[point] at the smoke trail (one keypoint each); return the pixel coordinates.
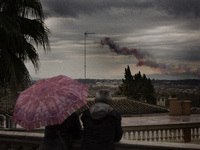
(144, 59)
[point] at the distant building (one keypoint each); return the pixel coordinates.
(161, 100)
(2, 118)
(6, 121)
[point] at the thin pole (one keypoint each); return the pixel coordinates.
(85, 35)
(85, 55)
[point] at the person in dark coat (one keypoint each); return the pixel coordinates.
(101, 123)
(59, 137)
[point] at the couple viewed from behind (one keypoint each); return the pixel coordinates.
(101, 128)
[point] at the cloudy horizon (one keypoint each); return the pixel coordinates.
(165, 32)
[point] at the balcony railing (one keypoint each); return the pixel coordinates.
(151, 137)
(18, 140)
(189, 132)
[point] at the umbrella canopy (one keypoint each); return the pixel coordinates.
(49, 102)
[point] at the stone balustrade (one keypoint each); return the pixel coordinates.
(151, 137)
(189, 132)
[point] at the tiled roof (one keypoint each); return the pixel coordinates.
(124, 106)
(129, 107)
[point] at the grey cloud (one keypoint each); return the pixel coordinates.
(166, 29)
(180, 7)
(73, 8)
(190, 53)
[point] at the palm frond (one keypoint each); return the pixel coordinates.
(22, 8)
(32, 7)
(20, 22)
(29, 53)
(37, 30)
(13, 72)
(9, 29)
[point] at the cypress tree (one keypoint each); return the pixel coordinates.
(137, 87)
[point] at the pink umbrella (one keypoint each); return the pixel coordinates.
(49, 102)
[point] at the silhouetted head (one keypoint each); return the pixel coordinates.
(103, 96)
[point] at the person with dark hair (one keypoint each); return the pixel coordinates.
(59, 137)
(101, 123)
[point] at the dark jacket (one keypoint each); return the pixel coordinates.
(58, 136)
(102, 127)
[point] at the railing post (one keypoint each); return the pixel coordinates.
(187, 135)
(148, 135)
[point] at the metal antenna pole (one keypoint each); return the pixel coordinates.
(85, 35)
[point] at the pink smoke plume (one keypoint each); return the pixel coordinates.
(144, 59)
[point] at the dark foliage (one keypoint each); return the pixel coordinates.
(138, 87)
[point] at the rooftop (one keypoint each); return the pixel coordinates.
(130, 107)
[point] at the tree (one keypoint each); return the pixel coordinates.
(125, 87)
(137, 87)
(21, 23)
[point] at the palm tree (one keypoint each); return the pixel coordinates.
(21, 23)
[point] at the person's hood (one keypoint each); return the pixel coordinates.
(100, 110)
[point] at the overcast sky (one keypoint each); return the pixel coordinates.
(165, 35)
